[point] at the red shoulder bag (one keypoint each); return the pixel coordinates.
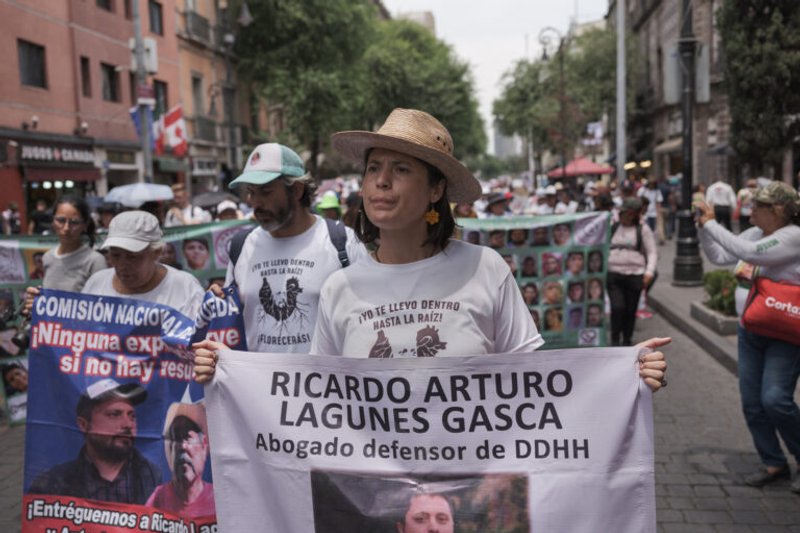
(773, 310)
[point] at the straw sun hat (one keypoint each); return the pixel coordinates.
(419, 135)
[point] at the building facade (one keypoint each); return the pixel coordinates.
(68, 87)
(655, 123)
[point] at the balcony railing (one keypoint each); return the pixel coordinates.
(205, 129)
(197, 27)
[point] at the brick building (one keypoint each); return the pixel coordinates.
(67, 88)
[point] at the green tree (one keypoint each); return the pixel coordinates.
(761, 46)
(536, 101)
(591, 67)
(305, 54)
(406, 66)
(527, 106)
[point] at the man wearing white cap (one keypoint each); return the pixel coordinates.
(281, 265)
(228, 210)
(108, 468)
(134, 246)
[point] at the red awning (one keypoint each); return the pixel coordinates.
(580, 167)
(61, 174)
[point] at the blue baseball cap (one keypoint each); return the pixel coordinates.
(269, 161)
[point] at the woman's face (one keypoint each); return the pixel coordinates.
(552, 293)
(196, 254)
(765, 217)
(575, 263)
(529, 294)
(595, 262)
(595, 290)
(396, 191)
(561, 234)
(17, 378)
(68, 224)
(552, 319)
(168, 255)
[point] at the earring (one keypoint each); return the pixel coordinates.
(432, 216)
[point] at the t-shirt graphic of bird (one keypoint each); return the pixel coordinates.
(279, 310)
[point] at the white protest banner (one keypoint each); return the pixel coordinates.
(545, 442)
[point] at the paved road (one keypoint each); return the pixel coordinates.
(702, 450)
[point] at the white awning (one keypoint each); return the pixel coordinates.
(671, 145)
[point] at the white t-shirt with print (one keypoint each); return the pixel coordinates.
(179, 290)
(462, 301)
(279, 283)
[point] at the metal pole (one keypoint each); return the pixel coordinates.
(688, 269)
(562, 111)
(141, 81)
(229, 91)
(531, 162)
(622, 155)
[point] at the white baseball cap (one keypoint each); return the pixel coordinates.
(225, 205)
(269, 161)
(133, 231)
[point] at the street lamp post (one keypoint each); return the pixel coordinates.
(688, 267)
(545, 37)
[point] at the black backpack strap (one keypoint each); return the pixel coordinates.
(338, 237)
(235, 249)
(639, 245)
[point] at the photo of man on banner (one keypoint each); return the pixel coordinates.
(108, 467)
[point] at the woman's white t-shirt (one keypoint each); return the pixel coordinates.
(462, 301)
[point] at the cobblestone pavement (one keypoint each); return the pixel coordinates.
(702, 450)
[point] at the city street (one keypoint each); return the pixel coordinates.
(702, 450)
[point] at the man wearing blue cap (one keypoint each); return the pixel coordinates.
(282, 263)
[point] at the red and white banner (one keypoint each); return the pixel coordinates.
(170, 132)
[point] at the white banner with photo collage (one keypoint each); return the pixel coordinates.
(560, 263)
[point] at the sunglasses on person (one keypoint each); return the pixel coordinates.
(63, 221)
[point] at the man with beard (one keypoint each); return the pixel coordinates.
(282, 263)
(108, 467)
(186, 448)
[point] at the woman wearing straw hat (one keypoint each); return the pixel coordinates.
(435, 296)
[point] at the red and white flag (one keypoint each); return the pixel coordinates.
(170, 132)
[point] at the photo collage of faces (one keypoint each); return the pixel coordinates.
(201, 250)
(561, 272)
